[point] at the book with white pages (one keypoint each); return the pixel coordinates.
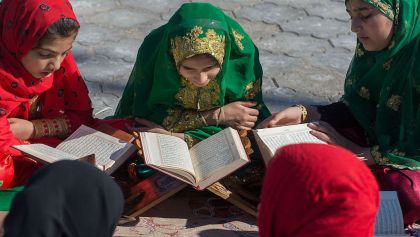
(200, 166)
(109, 151)
(271, 139)
(389, 220)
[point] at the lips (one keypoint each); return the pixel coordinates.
(44, 74)
(362, 37)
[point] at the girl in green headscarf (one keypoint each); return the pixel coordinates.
(194, 76)
(379, 115)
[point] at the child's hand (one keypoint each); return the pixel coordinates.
(288, 116)
(239, 115)
(21, 128)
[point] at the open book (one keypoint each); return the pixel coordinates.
(110, 152)
(202, 165)
(389, 220)
(271, 139)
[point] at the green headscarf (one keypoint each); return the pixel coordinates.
(157, 92)
(382, 89)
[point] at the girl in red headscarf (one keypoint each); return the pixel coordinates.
(43, 97)
(317, 190)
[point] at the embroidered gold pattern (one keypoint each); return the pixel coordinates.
(198, 98)
(191, 141)
(195, 100)
(394, 102)
(179, 120)
(385, 8)
(387, 65)
(238, 39)
(59, 127)
(377, 156)
(364, 93)
(252, 89)
(350, 81)
(359, 51)
(383, 160)
(191, 44)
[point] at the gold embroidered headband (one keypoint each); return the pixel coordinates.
(191, 44)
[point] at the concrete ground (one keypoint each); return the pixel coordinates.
(305, 45)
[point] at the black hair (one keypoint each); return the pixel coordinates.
(63, 28)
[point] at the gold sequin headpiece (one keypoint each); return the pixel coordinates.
(191, 44)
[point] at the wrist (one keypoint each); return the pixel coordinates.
(33, 131)
(304, 113)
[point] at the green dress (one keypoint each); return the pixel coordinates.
(157, 92)
(382, 89)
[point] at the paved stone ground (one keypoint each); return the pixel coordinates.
(305, 45)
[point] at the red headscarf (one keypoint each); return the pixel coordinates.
(317, 190)
(22, 24)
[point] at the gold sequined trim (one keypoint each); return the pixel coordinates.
(252, 89)
(191, 44)
(238, 39)
(364, 93)
(377, 156)
(198, 98)
(394, 102)
(179, 120)
(385, 8)
(382, 160)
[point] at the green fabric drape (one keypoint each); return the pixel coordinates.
(382, 89)
(157, 92)
(6, 197)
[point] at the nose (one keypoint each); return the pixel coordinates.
(203, 77)
(55, 64)
(355, 25)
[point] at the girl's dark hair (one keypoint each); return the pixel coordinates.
(62, 28)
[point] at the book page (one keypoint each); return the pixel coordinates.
(85, 141)
(45, 153)
(216, 153)
(278, 137)
(389, 220)
(166, 151)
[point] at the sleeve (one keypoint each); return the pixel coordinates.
(339, 117)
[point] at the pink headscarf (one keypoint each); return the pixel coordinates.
(317, 190)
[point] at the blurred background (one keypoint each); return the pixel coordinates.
(305, 45)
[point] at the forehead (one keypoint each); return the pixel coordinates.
(199, 59)
(357, 5)
(58, 43)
